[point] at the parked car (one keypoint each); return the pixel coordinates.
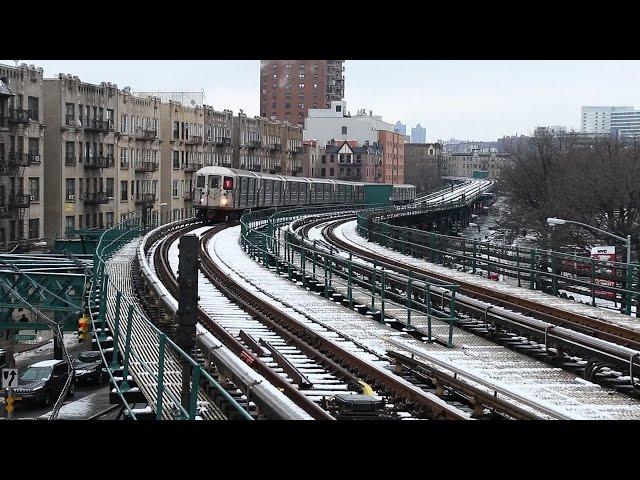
(88, 368)
(43, 382)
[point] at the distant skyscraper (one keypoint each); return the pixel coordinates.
(400, 128)
(418, 134)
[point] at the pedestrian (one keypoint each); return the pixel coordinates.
(24, 318)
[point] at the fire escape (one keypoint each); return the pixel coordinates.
(14, 200)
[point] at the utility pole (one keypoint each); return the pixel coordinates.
(187, 313)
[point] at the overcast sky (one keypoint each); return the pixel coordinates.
(479, 100)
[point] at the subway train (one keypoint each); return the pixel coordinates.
(225, 193)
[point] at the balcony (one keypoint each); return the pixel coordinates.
(146, 198)
(276, 169)
(99, 162)
(191, 166)
(226, 142)
(98, 126)
(18, 159)
(19, 200)
(193, 140)
(254, 168)
(147, 135)
(17, 116)
(297, 149)
(96, 198)
(146, 167)
(253, 144)
(70, 161)
(188, 196)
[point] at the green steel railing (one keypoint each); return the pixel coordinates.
(261, 238)
(538, 269)
(127, 314)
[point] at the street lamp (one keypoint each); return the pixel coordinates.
(551, 221)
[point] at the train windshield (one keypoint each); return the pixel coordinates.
(200, 181)
(214, 181)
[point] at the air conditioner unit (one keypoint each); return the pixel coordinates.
(36, 159)
(72, 123)
(71, 197)
(32, 198)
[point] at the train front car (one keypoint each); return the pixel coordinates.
(214, 193)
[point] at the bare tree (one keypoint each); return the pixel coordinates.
(594, 181)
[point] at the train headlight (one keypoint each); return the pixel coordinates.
(202, 199)
(223, 201)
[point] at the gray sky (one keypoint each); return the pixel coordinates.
(480, 100)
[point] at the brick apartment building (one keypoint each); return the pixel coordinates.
(289, 88)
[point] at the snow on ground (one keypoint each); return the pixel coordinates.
(526, 376)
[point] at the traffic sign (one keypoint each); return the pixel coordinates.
(9, 377)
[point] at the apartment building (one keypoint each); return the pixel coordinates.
(138, 140)
(325, 125)
(21, 153)
(289, 88)
(261, 145)
(218, 128)
(475, 164)
(80, 146)
(183, 153)
(344, 160)
(423, 165)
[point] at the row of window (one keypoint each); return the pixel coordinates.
(16, 230)
(95, 185)
(96, 220)
(33, 105)
(86, 113)
(16, 186)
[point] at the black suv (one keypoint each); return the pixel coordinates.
(43, 382)
(88, 367)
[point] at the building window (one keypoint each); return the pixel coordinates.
(71, 188)
(70, 222)
(287, 105)
(34, 188)
(174, 188)
(124, 124)
(301, 86)
(176, 160)
(124, 190)
(70, 113)
(301, 76)
(338, 108)
(110, 187)
(331, 170)
(273, 105)
(33, 106)
(34, 228)
(344, 130)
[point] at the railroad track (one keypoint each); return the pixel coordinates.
(312, 359)
(612, 345)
